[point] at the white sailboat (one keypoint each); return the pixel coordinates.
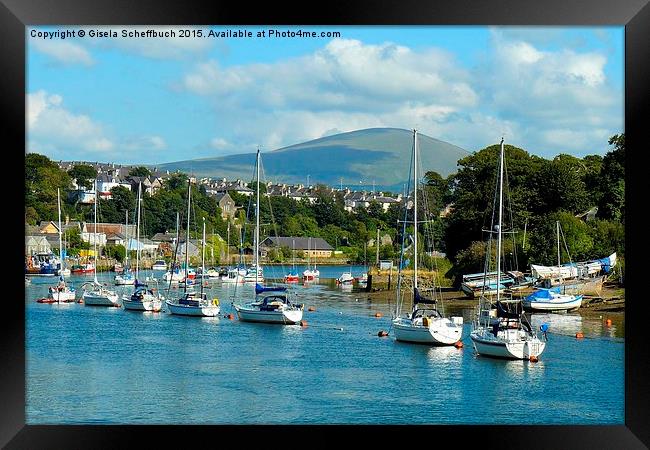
(98, 295)
(193, 303)
(61, 293)
(276, 306)
(501, 329)
(142, 298)
(424, 324)
(552, 299)
(236, 275)
(310, 274)
(126, 277)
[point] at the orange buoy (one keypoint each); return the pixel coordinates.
(459, 344)
(533, 358)
(608, 322)
(231, 316)
(303, 323)
(311, 308)
(579, 335)
(378, 314)
(382, 333)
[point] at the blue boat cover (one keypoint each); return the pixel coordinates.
(259, 288)
(605, 263)
(417, 298)
(139, 284)
(543, 293)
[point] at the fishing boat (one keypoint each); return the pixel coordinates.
(311, 273)
(160, 264)
(61, 293)
(424, 324)
(553, 299)
(95, 293)
(142, 298)
(274, 307)
(501, 329)
(193, 303)
(42, 264)
(83, 268)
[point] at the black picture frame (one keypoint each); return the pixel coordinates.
(633, 14)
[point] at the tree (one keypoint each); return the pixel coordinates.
(612, 177)
(42, 179)
(139, 171)
(84, 174)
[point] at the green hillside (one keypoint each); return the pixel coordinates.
(381, 155)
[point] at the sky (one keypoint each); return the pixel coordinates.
(150, 100)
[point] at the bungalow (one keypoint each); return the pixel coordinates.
(313, 247)
(52, 227)
(146, 247)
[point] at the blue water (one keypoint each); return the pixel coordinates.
(106, 365)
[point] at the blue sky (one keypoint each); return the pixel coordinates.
(549, 90)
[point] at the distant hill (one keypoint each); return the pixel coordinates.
(381, 155)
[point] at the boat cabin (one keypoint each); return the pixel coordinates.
(273, 302)
(193, 299)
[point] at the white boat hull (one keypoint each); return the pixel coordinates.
(557, 305)
(141, 305)
(62, 295)
(512, 348)
(119, 281)
(196, 311)
(441, 331)
(286, 317)
(91, 299)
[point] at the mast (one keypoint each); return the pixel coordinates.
(415, 209)
(257, 217)
(58, 199)
(187, 234)
(203, 258)
(126, 238)
(500, 218)
(95, 235)
(137, 227)
(557, 223)
(228, 246)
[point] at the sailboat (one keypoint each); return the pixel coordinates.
(236, 274)
(275, 307)
(99, 295)
(424, 324)
(292, 277)
(174, 274)
(126, 277)
(192, 303)
(61, 293)
(142, 299)
(64, 271)
(552, 299)
(310, 274)
(501, 329)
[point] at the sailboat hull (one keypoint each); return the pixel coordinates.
(439, 332)
(194, 311)
(91, 299)
(141, 305)
(62, 296)
(285, 317)
(512, 347)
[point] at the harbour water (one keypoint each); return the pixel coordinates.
(101, 365)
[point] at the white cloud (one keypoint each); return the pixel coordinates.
(50, 125)
(63, 51)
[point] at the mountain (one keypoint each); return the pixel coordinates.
(380, 155)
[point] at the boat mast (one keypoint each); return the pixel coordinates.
(500, 218)
(58, 199)
(415, 211)
(126, 238)
(203, 258)
(137, 235)
(228, 246)
(95, 235)
(257, 217)
(187, 234)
